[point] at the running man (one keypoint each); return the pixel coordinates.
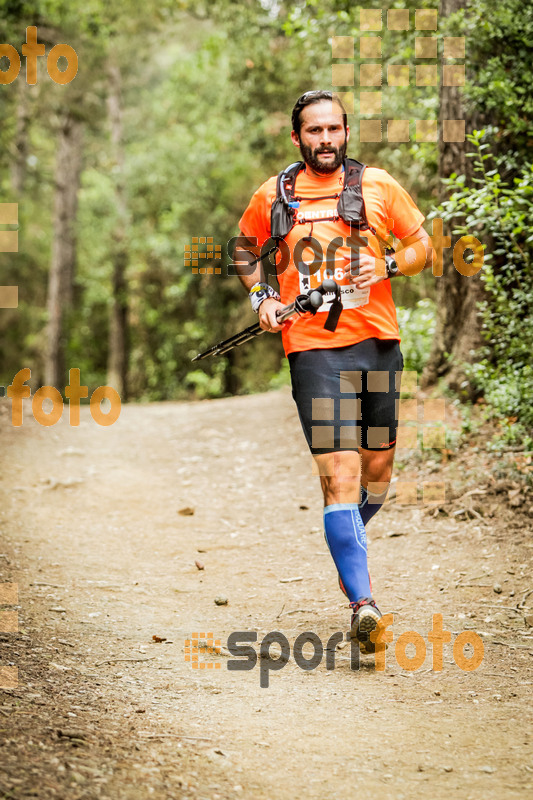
(345, 383)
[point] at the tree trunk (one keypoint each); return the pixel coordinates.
(457, 334)
(60, 285)
(20, 143)
(117, 365)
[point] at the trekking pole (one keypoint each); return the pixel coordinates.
(303, 303)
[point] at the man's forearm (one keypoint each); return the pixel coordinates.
(415, 254)
(248, 275)
(268, 307)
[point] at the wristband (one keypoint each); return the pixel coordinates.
(260, 292)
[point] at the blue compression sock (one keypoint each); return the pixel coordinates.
(370, 503)
(346, 538)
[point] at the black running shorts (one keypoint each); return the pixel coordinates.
(347, 397)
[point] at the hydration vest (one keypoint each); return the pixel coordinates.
(350, 205)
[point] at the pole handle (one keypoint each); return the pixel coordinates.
(303, 303)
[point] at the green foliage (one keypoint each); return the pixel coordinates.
(417, 326)
(205, 121)
(208, 90)
(281, 378)
(499, 52)
(313, 23)
(499, 211)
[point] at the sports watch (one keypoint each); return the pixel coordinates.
(391, 266)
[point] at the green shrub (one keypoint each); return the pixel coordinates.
(417, 326)
(499, 209)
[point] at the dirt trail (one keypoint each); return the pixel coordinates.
(90, 530)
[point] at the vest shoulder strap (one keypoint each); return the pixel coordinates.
(353, 172)
(350, 206)
(282, 215)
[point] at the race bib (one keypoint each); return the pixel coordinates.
(351, 296)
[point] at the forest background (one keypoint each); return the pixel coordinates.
(178, 112)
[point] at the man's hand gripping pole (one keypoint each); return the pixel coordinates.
(302, 304)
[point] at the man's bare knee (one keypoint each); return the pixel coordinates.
(340, 476)
(377, 466)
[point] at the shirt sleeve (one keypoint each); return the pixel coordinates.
(401, 208)
(255, 222)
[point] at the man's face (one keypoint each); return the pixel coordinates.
(322, 140)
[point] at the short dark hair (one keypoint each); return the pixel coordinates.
(315, 96)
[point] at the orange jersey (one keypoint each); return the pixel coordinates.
(368, 313)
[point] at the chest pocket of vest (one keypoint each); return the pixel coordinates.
(351, 207)
(281, 219)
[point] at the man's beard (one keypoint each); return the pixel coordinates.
(310, 157)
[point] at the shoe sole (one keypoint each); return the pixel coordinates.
(366, 622)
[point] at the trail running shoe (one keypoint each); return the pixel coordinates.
(364, 620)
